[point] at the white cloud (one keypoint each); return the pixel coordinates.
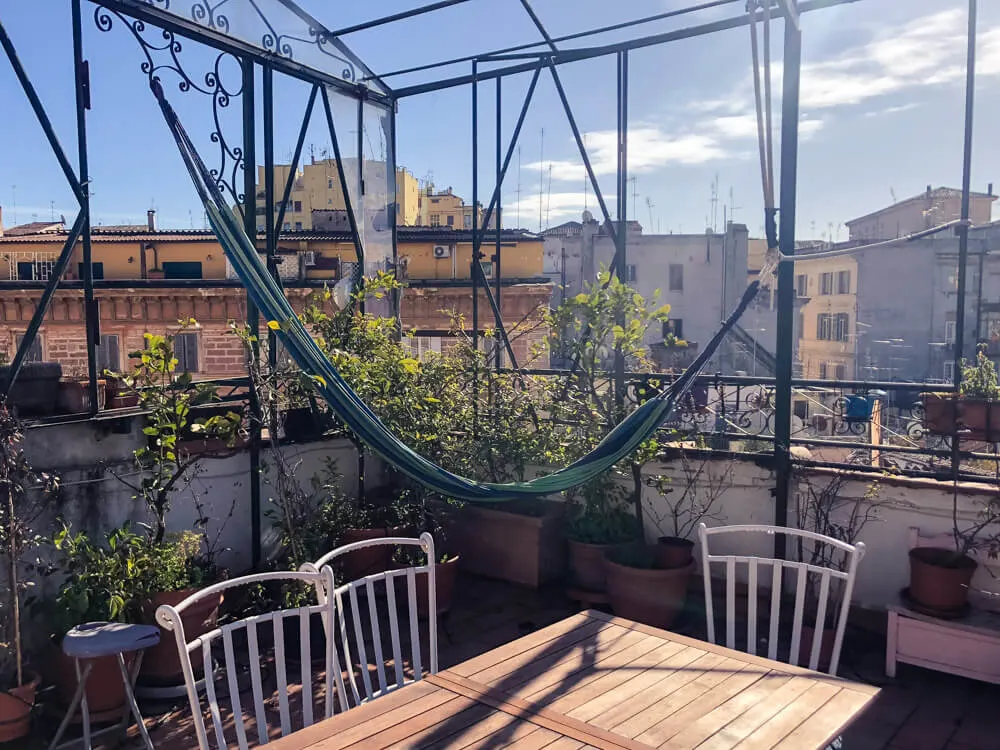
(927, 51)
(556, 208)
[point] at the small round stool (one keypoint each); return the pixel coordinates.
(93, 640)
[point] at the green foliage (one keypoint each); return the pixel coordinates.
(979, 380)
(168, 396)
(599, 513)
(607, 322)
(23, 492)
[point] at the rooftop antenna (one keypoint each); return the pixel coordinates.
(52, 211)
(548, 197)
(635, 195)
(541, 182)
(892, 192)
(715, 204)
(649, 205)
(190, 219)
(732, 206)
(517, 208)
(312, 152)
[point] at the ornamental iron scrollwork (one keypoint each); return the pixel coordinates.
(217, 16)
(165, 57)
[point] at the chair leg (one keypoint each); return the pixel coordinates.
(130, 698)
(79, 699)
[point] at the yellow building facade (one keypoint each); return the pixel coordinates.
(317, 187)
(831, 336)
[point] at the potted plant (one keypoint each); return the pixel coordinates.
(117, 394)
(975, 413)
(602, 328)
(74, 394)
(97, 582)
(824, 508)
(705, 482)
(940, 576)
(425, 512)
(178, 564)
(598, 521)
(20, 486)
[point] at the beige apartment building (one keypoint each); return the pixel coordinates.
(931, 208)
(828, 322)
(317, 188)
(445, 209)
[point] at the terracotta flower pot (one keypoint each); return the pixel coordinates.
(105, 691)
(15, 708)
(977, 419)
(161, 664)
(940, 578)
(444, 578)
(648, 595)
(587, 563)
(363, 562)
(673, 552)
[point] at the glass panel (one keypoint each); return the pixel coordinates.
(275, 27)
(379, 198)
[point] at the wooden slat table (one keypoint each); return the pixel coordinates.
(597, 681)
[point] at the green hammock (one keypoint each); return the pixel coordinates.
(266, 293)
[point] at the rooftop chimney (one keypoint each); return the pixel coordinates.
(928, 191)
(151, 220)
(989, 190)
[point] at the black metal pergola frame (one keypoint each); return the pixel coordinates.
(275, 53)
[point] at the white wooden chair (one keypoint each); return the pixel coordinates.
(776, 579)
(357, 609)
(254, 629)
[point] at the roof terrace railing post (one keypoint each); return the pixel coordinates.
(791, 75)
(474, 265)
(620, 257)
(963, 227)
(91, 315)
(253, 317)
(496, 252)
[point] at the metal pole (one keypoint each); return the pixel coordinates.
(475, 240)
(394, 218)
(359, 249)
(293, 167)
(253, 317)
(92, 316)
(270, 229)
(496, 233)
(786, 280)
(963, 227)
(619, 266)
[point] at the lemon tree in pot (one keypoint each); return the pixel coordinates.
(607, 323)
(22, 494)
(173, 455)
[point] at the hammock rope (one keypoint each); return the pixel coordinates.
(266, 293)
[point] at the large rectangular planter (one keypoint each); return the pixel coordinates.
(529, 550)
(976, 419)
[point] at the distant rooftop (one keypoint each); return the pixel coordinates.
(941, 193)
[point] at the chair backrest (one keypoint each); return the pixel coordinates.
(254, 634)
(805, 578)
(358, 623)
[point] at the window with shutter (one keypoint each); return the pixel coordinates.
(186, 352)
(34, 353)
(676, 277)
(108, 353)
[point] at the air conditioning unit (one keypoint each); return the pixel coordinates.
(442, 251)
(309, 258)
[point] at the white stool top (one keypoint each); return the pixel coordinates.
(95, 639)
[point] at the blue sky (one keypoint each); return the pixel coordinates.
(882, 113)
